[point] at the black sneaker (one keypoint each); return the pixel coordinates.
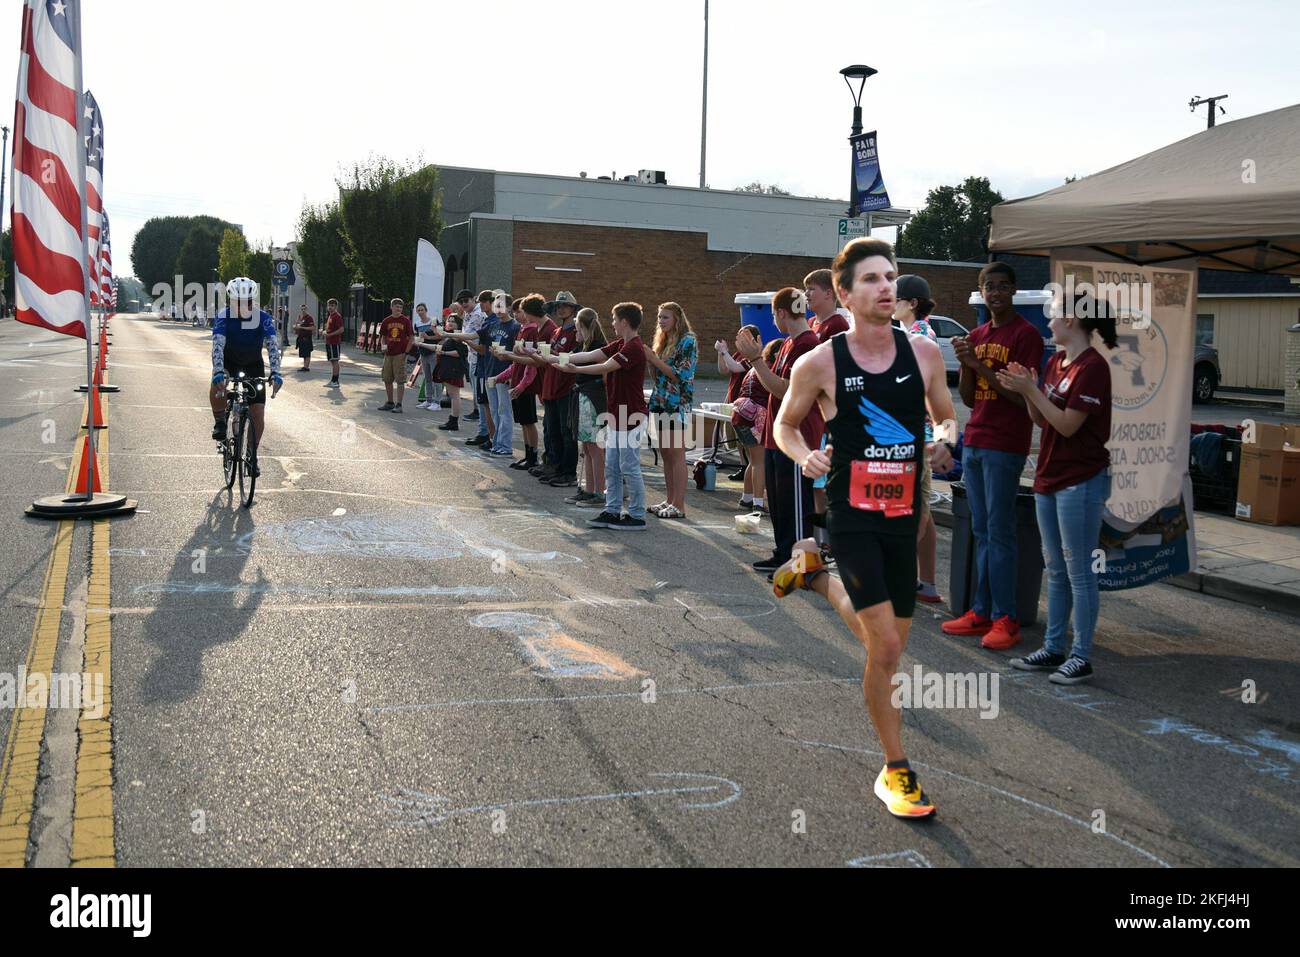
(628, 524)
(1040, 660)
(477, 440)
(564, 481)
(523, 464)
(543, 472)
(1074, 671)
(386, 407)
(451, 425)
(767, 564)
(738, 475)
(546, 477)
(472, 417)
(604, 520)
(219, 431)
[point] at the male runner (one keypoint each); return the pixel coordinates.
(873, 384)
(238, 333)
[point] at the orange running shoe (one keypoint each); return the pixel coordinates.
(1004, 634)
(969, 624)
(798, 572)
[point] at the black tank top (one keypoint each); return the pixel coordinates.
(880, 425)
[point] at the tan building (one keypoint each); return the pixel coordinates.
(1250, 332)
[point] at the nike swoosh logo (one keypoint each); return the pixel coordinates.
(904, 379)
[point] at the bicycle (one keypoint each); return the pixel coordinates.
(236, 457)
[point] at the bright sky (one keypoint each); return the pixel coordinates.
(244, 109)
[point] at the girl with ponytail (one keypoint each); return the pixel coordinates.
(1072, 408)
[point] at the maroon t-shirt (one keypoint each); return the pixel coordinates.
(832, 325)
(737, 378)
(557, 384)
(812, 425)
(530, 334)
(333, 329)
(996, 422)
(625, 387)
(1084, 384)
(396, 334)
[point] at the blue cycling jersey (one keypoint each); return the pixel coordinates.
(242, 340)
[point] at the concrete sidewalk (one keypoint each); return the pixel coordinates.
(1256, 565)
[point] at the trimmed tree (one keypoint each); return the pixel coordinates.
(198, 257)
(954, 225)
(232, 256)
(387, 208)
(157, 245)
(322, 249)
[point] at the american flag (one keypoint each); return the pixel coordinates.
(48, 183)
(107, 287)
(94, 140)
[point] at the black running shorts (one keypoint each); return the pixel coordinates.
(252, 369)
(524, 409)
(876, 566)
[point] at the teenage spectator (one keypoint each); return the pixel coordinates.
(305, 331)
(675, 356)
(912, 307)
(498, 338)
(480, 318)
(826, 318)
(561, 466)
(623, 363)
(396, 333)
(451, 370)
(790, 498)
(1072, 483)
(750, 422)
(477, 314)
(525, 380)
(333, 339)
(427, 359)
(590, 409)
(735, 368)
(996, 445)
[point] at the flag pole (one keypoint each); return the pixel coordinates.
(91, 388)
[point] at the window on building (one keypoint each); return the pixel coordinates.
(1205, 330)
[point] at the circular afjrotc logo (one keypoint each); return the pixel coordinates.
(1139, 364)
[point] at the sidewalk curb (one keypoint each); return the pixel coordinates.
(1208, 583)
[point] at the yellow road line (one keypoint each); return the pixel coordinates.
(92, 814)
(22, 754)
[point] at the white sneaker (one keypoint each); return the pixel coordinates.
(423, 405)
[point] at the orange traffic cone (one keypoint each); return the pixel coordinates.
(95, 416)
(88, 471)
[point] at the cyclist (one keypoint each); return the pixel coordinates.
(238, 333)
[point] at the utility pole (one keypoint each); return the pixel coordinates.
(4, 151)
(1211, 101)
(704, 108)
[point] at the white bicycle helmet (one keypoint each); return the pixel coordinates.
(241, 288)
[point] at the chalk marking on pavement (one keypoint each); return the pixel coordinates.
(420, 809)
(480, 702)
(720, 609)
(553, 653)
(908, 858)
(270, 588)
(997, 790)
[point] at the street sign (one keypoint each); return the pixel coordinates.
(852, 228)
(282, 274)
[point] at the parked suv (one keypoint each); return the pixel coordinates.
(1205, 373)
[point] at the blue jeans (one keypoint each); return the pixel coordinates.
(1069, 522)
(623, 463)
(992, 482)
(484, 410)
(503, 417)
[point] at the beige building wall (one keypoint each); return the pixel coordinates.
(1251, 336)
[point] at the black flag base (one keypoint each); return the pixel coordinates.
(103, 388)
(102, 505)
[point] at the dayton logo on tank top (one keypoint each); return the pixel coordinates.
(892, 440)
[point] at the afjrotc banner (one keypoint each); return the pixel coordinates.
(1147, 533)
(868, 184)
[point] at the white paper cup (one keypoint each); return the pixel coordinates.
(545, 348)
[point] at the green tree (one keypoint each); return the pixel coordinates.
(953, 225)
(387, 208)
(322, 249)
(260, 271)
(767, 189)
(157, 245)
(232, 255)
(198, 257)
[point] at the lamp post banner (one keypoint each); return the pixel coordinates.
(868, 185)
(1147, 531)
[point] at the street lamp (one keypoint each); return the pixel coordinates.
(860, 72)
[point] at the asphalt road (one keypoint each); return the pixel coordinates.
(405, 654)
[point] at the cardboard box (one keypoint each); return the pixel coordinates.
(1268, 490)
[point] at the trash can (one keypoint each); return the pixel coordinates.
(756, 310)
(1029, 550)
(1029, 304)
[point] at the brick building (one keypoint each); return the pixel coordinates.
(609, 240)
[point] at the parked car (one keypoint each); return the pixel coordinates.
(944, 331)
(1205, 373)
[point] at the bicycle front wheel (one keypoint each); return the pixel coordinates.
(231, 451)
(247, 480)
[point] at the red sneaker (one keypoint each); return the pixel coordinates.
(968, 624)
(1004, 634)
